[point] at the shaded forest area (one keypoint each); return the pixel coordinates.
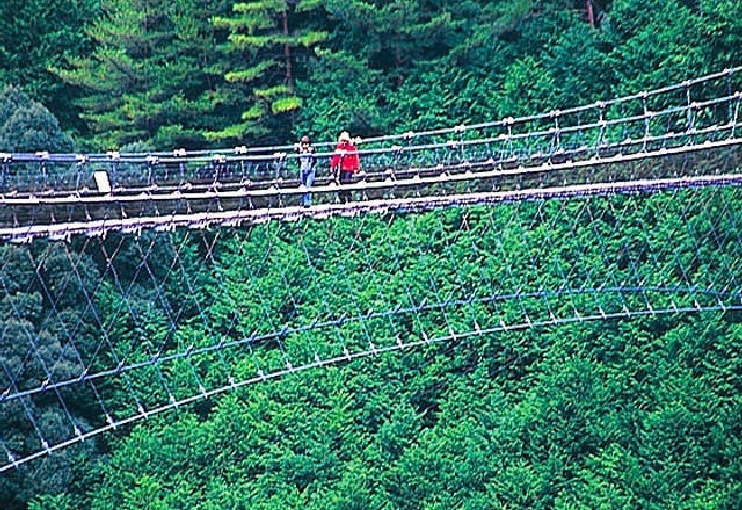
(641, 413)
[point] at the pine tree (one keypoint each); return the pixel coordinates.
(268, 41)
(397, 35)
(155, 74)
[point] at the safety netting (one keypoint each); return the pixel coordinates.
(106, 329)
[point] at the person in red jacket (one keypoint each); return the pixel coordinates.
(345, 162)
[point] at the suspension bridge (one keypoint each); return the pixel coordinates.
(134, 284)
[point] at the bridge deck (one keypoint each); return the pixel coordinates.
(25, 218)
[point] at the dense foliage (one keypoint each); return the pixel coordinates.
(626, 413)
(641, 413)
(28, 126)
(194, 73)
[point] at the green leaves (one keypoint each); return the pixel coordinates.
(27, 126)
(528, 89)
(151, 69)
(186, 74)
(624, 413)
(628, 414)
(268, 35)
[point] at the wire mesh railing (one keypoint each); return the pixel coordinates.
(197, 273)
(693, 112)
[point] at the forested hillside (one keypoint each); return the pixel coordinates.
(638, 412)
(635, 412)
(217, 73)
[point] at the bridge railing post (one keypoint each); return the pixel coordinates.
(151, 167)
(735, 117)
(397, 154)
(244, 170)
(647, 121)
(114, 157)
(81, 180)
(181, 155)
(43, 174)
(555, 144)
(5, 171)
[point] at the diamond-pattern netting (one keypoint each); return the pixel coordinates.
(98, 332)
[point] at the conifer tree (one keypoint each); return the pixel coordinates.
(268, 41)
(155, 74)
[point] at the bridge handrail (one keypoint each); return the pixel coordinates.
(95, 227)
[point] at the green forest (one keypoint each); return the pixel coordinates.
(640, 410)
(215, 73)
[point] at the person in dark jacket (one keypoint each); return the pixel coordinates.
(307, 160)
(344, 164)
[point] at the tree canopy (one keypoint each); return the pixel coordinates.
(215, 73)
(628, 413)
(28, 126)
